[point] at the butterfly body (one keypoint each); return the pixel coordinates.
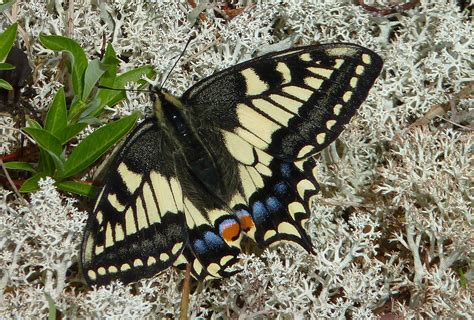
(230, 158)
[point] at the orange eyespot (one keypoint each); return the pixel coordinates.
(230, 231)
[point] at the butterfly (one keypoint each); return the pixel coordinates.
(229, 159)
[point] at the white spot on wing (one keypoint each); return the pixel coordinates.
(213, 269)
(341, 52)
(114, 202)
(285, 72)
(338, 63)
(193, 216)
(176, 248)
(287, 103)
(256, 123)
(130, 226)
(251, 138)
(164, 195)
(141, 215)
(296, 207)
(264, 157)
(92, 275)
(225, 259)
(277, 114)
(320, 138)
(359, 70)
(131, 179)
(109, 240)
(99, 217)
(239, 148)
(298, 92)
(118, 232)
(137, 263)
(353, 82)
(151, 260)
(101, 271)
(125, 267)
(337, 109)
(305, 151)
(303, 186)
(263, 169)
(305, 57)
(177, 193)
(99, 250)
(322, 72)
(255, 85)
(366, 58)
(269, 234)
(313, 82)
(248, 184)
(347, 96)
(197, 266)
(330, 124)
(151, 208)
(288, 228)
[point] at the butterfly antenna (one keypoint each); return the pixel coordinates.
(177, 60)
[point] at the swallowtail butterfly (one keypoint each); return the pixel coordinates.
(230, 158)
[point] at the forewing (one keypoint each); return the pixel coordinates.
(138, 226)
(290, 104)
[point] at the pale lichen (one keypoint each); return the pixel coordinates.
(392, 226)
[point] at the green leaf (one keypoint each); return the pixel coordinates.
(112, 97)
(5, 85)
(33, 124)
(56, 118)
(112, 63)
(46, 164)
(51, 307)
(48, 143)
(77, 187)
(19, 165)
(79, 59)
(96, 144)
(6, 66)
(77, 107)
(72, 130)
(93, 73)
(7, 38)
(31, 184)
(6, 5)
(45, 140)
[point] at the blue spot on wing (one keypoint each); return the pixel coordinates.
(281, 188)
(273, 204)
(260, 213)
(285, 169)
(213, 240)
(200, 246)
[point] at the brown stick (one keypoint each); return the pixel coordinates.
(183, 311)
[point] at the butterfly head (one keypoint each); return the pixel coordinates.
(162, 100)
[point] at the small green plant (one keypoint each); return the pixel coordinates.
(6, 39)
(63, 122)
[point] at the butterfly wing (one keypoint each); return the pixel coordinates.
(274, 111)
(149, 216)
(290, 104)
(138, 225)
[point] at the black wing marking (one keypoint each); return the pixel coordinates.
(290, 104)
(150, 215)
(138, 225)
